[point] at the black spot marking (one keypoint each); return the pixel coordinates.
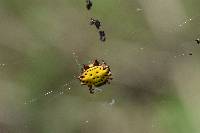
(90, 74)
(82, 76)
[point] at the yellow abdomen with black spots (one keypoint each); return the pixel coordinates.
(96, 76)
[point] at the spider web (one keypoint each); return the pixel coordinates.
(66, 87)
(63, 89)
(187, 48)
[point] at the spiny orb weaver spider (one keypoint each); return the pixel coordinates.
(95, 74)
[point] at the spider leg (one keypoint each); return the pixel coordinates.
(107, 81)
(91, 89)
(111, 78)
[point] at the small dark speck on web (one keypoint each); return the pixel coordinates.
(102, 36)
(88, 4)
(95, 22)
(190, 53)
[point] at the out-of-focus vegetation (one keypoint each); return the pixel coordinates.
(156, 82)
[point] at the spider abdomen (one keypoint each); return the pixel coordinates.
(95, 75)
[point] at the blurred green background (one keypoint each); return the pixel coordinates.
(156, 82)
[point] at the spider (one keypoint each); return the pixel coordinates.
(95, 74)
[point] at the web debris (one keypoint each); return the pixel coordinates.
(197, 40)
(112, 102)
(2, 65)
(58, 92)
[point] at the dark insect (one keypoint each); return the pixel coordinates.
(96, 22)
(190, 53)
(88, 4)
(197, 40)
(102, 35)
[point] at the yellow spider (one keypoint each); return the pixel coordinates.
(95, 74)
